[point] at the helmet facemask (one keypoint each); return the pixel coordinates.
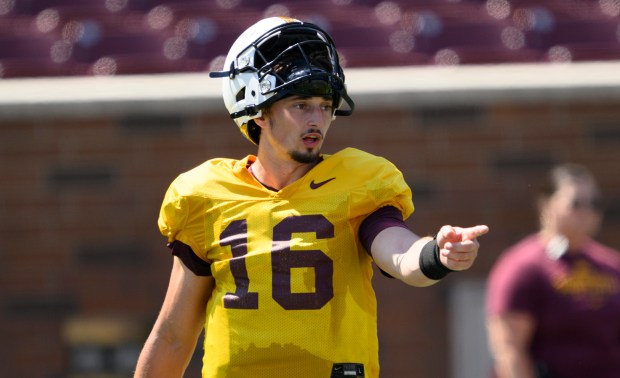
(305, 69)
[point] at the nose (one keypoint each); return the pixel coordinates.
(317, 116)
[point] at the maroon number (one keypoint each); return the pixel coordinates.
(236, 236)
(283, 259)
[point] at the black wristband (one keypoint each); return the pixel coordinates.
(430, 265)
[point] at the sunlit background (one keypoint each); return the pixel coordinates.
(104, 102)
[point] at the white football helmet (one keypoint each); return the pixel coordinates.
(275, 58)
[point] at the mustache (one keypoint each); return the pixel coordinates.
(313, 131)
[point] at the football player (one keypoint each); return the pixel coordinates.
(273, 253)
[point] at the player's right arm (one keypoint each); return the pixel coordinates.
(173, 338)
(397, 251)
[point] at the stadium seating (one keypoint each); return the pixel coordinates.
(115, 37)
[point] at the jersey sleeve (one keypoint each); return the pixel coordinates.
(382, 185)
(385, 217)
(179, 218)
(173, 214)
(184, 252)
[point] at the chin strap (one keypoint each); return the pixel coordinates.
(348, 100)
(231, 73)
(218, 74)
(249, 110)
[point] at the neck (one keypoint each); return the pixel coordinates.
(278, 174)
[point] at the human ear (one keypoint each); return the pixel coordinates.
(260, 121)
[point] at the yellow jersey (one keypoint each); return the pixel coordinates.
(293, 294)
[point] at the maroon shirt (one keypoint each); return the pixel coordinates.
(574, 300)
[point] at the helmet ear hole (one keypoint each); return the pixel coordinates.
(240, 95)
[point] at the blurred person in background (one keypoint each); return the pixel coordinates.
(553, 299)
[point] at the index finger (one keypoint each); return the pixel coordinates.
(473, 232)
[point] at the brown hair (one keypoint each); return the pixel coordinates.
(563, 173)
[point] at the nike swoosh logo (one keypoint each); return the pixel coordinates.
(316, 185)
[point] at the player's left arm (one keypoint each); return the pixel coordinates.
(397, 251)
